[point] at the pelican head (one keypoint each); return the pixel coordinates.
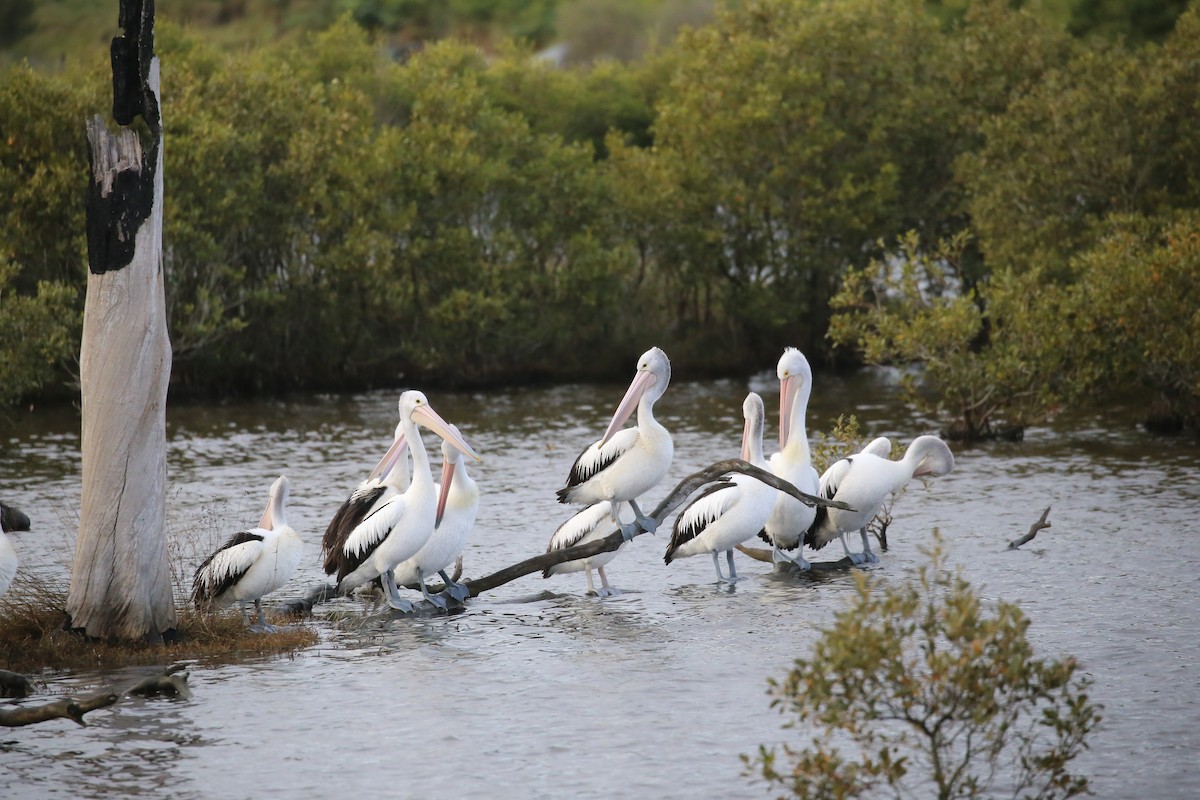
(281, 489)
(450, 458)
(930, 456)
(415, 406)
(754, 413)
(392, 457)
(795, 381)
(653, 376)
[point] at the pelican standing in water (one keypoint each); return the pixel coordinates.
(389, 478)
(458, 502)
(10, 520)
(594, 522)
(624, 464)
(398, 528)
(790, 518)
(252, 563)
(730, 511)
(864, 481)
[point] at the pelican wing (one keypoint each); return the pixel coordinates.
(369, 534)
(708, 507)
(595, 460)
(578, 527)
(348, 517)
(831, 480)
(225, 567)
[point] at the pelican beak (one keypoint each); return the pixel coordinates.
(425, 415)
(787, 394)
(747, 432)
(267, 523)
(447, 479)
(278, 496)
(641, 382)
(390, 459)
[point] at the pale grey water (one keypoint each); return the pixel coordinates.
(539, 691)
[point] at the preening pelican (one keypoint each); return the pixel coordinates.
(864, 481)
(389, 478)
(10, 520)
(594, 522)
(731, 511)
(624, 464)
(458, 501)
(790, 518)
(398, 528)
(252, 563)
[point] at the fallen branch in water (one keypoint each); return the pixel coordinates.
(62, 708)
(766, 556)
(14, 684)
(681, 492)
(165, 682)
(1033, 530)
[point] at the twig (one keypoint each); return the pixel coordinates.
(1033, 530)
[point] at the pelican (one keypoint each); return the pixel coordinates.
(389, 478)
(397, 529)
(864, 481)
(10, 520)
(252, 563)
(790, 518)
(732, 510)
(624, 464)
(586, 526)
(458, 500)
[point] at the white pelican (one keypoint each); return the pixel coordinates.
(10, 520)
(864, 481)
(389, 478)
(594, 522)
(624, 464)
(398, 528)
(458, 501)
(252, 563)
(730, 511)
(790, 518)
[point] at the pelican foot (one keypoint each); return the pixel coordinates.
(871, 558)
(856, 558)
(438, 602)
(458, 591)
(608, 591)
(263, 627)
(629, 530)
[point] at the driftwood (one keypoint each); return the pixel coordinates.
(62, 708)
(681, 492)
(14, 684)
(1033, 530)
(164, 683)
(765, 556)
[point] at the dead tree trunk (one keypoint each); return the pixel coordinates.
(121, 581)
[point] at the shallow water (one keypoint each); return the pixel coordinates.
(539, 691)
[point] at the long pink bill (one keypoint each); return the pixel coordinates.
(629, 402)
(425, 415)
(447, 479)
(279, 487)
(390, 459)
(747, 432)
(787, 393)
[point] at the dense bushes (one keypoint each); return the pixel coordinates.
(335, 218)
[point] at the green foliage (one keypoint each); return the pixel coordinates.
(932, 696)
(993, 360)
(39, 332)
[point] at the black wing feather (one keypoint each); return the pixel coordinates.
(685, 532)
(203, 591)
(351, 514)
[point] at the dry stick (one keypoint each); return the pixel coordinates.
(63, 708)
(691, 483)
(1033, 530)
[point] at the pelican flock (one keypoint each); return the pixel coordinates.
(398, 527)
(252, 563)
(728, 512)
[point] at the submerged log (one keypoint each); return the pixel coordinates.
(121, 577)
(759, 554)
(166, 682)
(62, 708)
(1033, 530)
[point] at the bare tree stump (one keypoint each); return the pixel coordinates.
(121, 581)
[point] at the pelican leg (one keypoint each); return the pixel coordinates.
(388, 581)
(855, 558)
(780, 557)
(606, 590)
(732, 572)
(434, 600)
(591, 586)
(245, 614)
(870, 556)
(717, 567)
(261, 626)
(458, 591)
(649, 524)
